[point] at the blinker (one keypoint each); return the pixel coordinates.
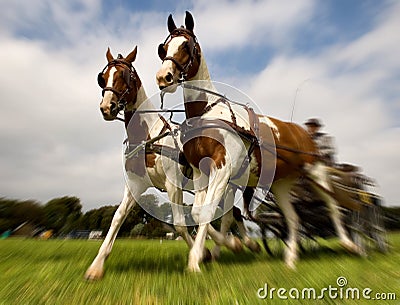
(100, 80)
(161, 51)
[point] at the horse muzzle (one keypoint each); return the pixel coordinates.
(109, 111)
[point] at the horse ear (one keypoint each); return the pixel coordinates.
(189, 22)
(109, 55)
(132, 56)
(171, 24)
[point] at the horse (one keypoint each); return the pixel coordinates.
(235, 140)
(122, 90)
(361, 210)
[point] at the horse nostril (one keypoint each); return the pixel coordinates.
(169, 78)
(113, 107)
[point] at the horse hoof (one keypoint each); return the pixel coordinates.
(254, 247)
(290, 260)
(352, 248)
(291, 265)
(93, 275)
(235, 245)
(194, 268)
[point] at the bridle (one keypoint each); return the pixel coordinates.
(129, 76)
(192, 48)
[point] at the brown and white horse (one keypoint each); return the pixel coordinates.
(123, 91)
(295, 152)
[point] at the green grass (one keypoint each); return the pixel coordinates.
(147, 272)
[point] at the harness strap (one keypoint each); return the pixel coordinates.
(254, 141)
(166, 125)
(246, 160)
(180, 67)
(293, 150)
(224, 101)
(254, 122)
(172, 153)
(193, 127)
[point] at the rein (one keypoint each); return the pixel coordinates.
(252, 135)
(200, 89)
(188, 128)
(144, 144)
(226, 100)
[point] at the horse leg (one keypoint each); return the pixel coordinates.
(196, 253)
(251, 244)
(226, 222)
(248, 242)
(221, 239)
(281, 189)
(204, 210)
(96, 269)
(320, 177)
(335, 214)
(176, 196)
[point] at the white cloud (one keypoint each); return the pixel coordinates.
(55, 142)
(378, 48)
(343, 85)
(224, 24)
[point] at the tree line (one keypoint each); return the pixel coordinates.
(64, 216)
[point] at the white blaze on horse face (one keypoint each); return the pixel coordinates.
(174, 44)
(108, 95)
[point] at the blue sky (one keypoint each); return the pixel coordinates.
(341, 57)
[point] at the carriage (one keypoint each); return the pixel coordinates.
(360, 207)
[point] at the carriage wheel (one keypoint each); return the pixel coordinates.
(280, 243)
(367, 224)
(357, 229)
(377, 228)
(265, 242)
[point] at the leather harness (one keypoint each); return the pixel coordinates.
(193, 127)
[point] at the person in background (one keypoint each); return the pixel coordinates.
(323, 141)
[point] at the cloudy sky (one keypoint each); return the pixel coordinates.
(337, 59)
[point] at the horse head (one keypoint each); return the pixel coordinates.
(180, 53)
(120, 84)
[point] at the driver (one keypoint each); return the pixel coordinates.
(323, 141)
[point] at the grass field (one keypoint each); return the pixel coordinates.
(150, 272)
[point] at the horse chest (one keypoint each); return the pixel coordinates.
(206, 151)
(139, 164)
